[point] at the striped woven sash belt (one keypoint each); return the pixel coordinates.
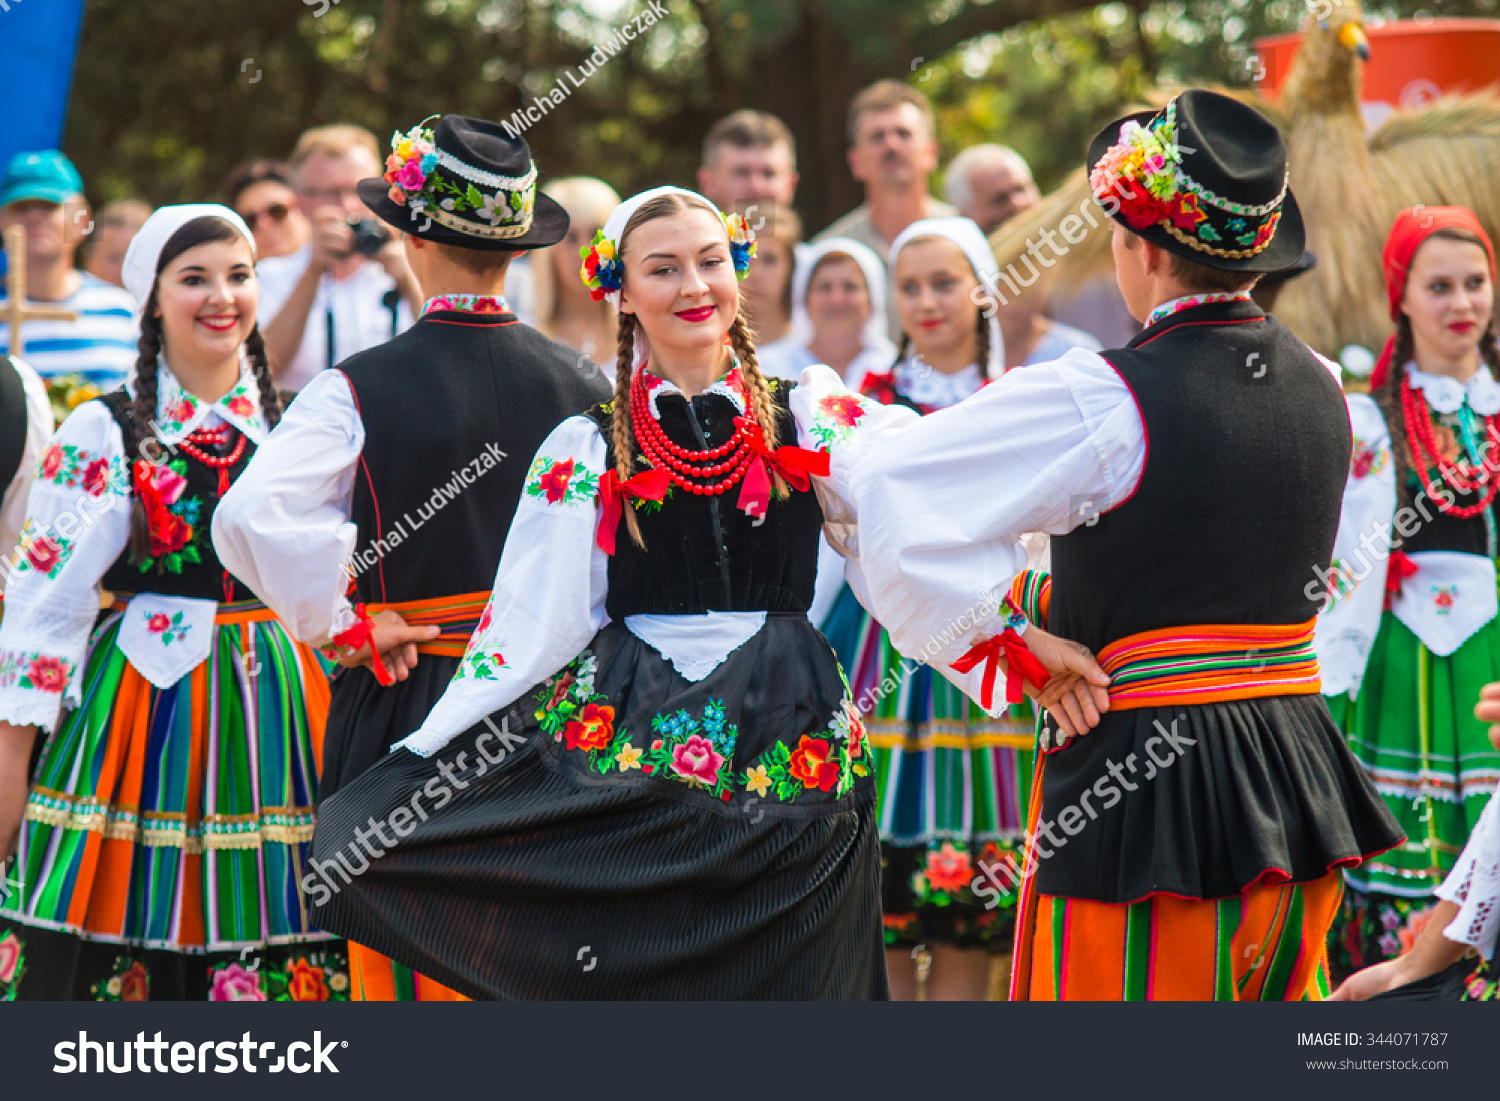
(1210, 664)
(458, 616)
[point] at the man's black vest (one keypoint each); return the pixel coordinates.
(1247, 453)
(434, 401)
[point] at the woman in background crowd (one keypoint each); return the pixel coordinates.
(838, 312)
(562, 306)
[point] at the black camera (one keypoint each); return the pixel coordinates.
(368, 236)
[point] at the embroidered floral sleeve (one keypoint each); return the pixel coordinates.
(1352, 590)
(77, 522)
(831, 417)
(548, 599)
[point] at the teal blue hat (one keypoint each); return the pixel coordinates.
(45, 175)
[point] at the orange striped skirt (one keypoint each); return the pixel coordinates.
(1267, 944)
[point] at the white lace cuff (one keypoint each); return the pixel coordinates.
(1474, 884)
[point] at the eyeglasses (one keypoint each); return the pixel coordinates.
(276, 212)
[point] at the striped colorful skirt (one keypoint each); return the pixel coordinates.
(952, 784)
(1413, 729)
(1265, 944)
(167, 830)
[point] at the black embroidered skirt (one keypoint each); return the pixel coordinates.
(623, 832)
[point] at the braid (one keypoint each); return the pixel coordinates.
(982, 339)
(622, 433)
(1388, 398)
(901, 351)
(270, 400)
(762, 404)
(139, 417)
(1489, 352)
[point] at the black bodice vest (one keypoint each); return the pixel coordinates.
(702, 553)
(432, 511)
(205, 578)
(1247, 453)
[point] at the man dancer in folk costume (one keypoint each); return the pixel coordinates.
(404, 465)
(1188, 845)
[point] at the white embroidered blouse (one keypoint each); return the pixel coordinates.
(77, 525)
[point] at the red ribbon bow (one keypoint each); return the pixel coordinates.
(649, 485)
(794, 464)
(1020, 663)
(357, 636)
(1400, 567)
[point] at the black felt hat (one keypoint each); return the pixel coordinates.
(1205, 178)
(467, 183)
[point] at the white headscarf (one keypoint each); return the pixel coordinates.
(876, 343)
(967, 236)
(138, 271)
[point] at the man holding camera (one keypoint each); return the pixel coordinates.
(347, 289)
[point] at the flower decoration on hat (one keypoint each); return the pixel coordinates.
(427, 180)
(741, 243)
(601, 269)
(413, 157)
(1143, 172)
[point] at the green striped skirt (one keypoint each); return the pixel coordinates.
(167, 830)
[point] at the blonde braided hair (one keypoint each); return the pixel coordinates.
(762, 406)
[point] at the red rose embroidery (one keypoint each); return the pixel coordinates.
(555, 481)
(948, 868)
(811, 765)
(52, 460)
(845, 409)
(96, 477)
(170, 533)
(44, 554)
(241, 406)
(48, 674)
(158, 623)
(593, 729)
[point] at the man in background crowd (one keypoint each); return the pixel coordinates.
(43, 192)
(892, 150)
(103, 251)
(261, 193)
(748, 156)
(348, 288)
(990, 184)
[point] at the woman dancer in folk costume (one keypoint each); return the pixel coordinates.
(952, 781)
(167, 823)
(1410, 634)
(690, 803)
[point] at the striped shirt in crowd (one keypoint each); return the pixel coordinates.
(99, 346)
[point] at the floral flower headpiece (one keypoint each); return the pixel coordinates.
(602, 269)
(432, 182)
(1143, 173)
